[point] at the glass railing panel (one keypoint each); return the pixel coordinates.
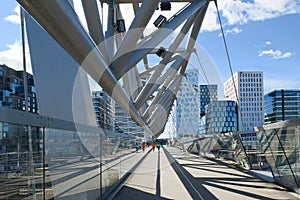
(22, 171)
(262, 151)
(277, 160)
(265, 139)
(296, 166)
(66, 161)
(111, 153)
(280, 147)
(73, 164)
(288, 166)
(224, 145)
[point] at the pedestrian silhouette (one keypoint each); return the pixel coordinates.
(158, 146)
(153, 146)
(143, 146)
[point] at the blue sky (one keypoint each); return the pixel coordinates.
(261, 35)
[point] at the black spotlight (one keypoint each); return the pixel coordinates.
(165, 5)
(121, 25)
(160, 52)
(159, 21)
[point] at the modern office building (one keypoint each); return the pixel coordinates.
(249, 140)
(282, 104)
(246, 88)
(104, 107)
(126, 126)
(221, 117)
(12, 90)
(187, 105)
(208, 93)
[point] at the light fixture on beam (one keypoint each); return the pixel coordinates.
(121, 25)
(160, 52)
(159, 21)
(165, 5)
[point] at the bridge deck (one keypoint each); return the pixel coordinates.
(173, 174)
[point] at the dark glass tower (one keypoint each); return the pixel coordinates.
(208, 93)
(282, 104)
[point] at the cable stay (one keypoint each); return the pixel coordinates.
(229, 62)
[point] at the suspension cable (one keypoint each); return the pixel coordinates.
(229, 63)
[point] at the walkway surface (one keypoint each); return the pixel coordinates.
(173, 174)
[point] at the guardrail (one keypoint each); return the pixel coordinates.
(46, 158)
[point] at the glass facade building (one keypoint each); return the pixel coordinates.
(12, 90)
(249, 140)
(187, 105)
(104, 107)
(221, 117)
(126, 126)
(208, 93)
(282, 105)
(246, 88)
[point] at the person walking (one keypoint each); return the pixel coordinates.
(153, 145)
(158, 146)
(137, 146)
(143, 146)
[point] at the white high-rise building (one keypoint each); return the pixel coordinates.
(249, 95)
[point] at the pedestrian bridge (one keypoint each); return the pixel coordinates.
(61, 153)
(173, 174)
(47, 158)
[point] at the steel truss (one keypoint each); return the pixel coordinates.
(148, 94)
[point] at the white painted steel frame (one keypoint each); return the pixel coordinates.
(112, 56)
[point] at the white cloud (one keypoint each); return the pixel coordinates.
(239, 12)
(276, 54)
(13, 57)
(15, 18)
(264, 44)
(280, 6)
(232, 11)
(268, 43)
(235, 30)
(210, 22)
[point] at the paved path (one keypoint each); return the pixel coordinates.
(173, 174)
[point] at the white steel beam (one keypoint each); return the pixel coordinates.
(94, 23)
(145, 93)
(110, 32)
(61, 22)
(119, 54)
(150, 111)
(166, 77)
(163, 102)
(133, 34)
(142, 49)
